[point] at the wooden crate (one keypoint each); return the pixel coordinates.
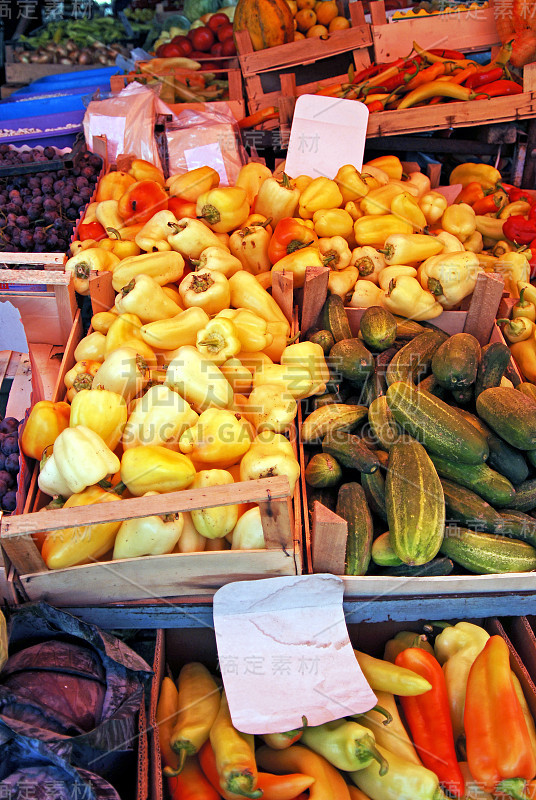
(278, 74)
(468, 31)
(236, 96)
(17, 72)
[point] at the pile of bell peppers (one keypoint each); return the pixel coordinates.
(427, 77)
(467, 730)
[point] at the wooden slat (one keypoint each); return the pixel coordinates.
(68, 359)
(485, 302)
(22, 552)
(45, 370)
(329, 536)
(377, 12)
(529, 77)
(48, 260)
(276, 519)
(37, 276)
(393, 587)
(314, 294)
(20, 393)
(282, 283)
(101, 291)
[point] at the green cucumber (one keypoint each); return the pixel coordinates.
(415, 504)
(383, 554)
(378, 328)
(463, 395)
(414, 358)
(352, 507)
(455, 362)
(350, 359)
(350, 451)
(486, 553)
(436, 568)
(334, 318)
(464, 506)
(503, 458)
(373, 484)
(519, 526)
(382, 423)
(323, 338)
(511, 414)
(323, 470)
(407, 328)
(435, 424)
(525, 497)
(485, 482)
(494, 359)
(431, 385)
(329, 418)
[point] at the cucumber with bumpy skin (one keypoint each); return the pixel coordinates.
(519, 526)
(350, 451)
(352, 506)
(383, 554)
(374, 485)
(493, 362)
(414, 359)
(470, 510)
(335, 319)
(486, 553)
(455, 362)
(511, 414)
(525, 497)
(378, 328)
(485, 482)
(435, 568)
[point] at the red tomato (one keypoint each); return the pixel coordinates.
(225, 32)
(228, 47)
(198, 55)
(184, 42)
(216, 49)
(172, 50)
(216, 20)
(202, 39)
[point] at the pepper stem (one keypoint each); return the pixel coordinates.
(114, 234)
(169, 772)
(366, 748)
(240, 784)
(385, 713)
(521, 303)
(512, 787)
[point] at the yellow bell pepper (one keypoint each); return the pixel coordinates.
(256, 362)
(126, 332)
(279, 331)
(386, 275)
(368, 261)
(92, 347)
(43, 426)
(224, 209)
(353, 209)
(297, 262)
(333, 222)
(419, 181)
(342, 281)
(112, 185)
(190, 237)
(374, 177)
(124, 372)
(270, 454)
(530, 291)
(102, 321)
(238, 375)
(190, 185)
(277, 199)
(335, 252)
(160, 417)
(198, 380)
(250, 246)
(450, 276)
(406, 297)
(311, 356)
(451, 243)
(248, 533)
(250, 329)
(407, 208)
(155, 468)
(474, 243)
(270, 409)
(484, 174)
(524, 353)
(102, 411)
(68, 547)
(148, 536)
(407, 187)
(107, 213)
(378, 201)
(322, 193)
(294, 379)
(122, 248)
(518, 208)
(80, 377)
(410, 248)
(246, 292)
(251, 177)
(191, 541)
(517, 330)
(172, 292)
(163, 267)
(77, 246)
(302, 182)
(218, 340)
(169, 334)
(350, 183)
(365, 294)
(145, 298)
(207, 290)
(433, 205)
(80, 459)
(514, 267)
(374, 229)
(153, 236)
(391, 165)
(217, 522)
(92, 259)
(218, 260)
(143, 170)
(218, 439)
(524, 307)
(460, 220)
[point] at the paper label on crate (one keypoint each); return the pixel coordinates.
(12, 333)
(326, 134)
(207, 155)
(284, 653)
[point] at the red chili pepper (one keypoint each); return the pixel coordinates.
(401, 79)
(515, 193)
(368, 72)
(532, 212)
(376, 105)
(91, 230)
(262, 115)
(532, 260)
(429, 721)
(519, 230)
(489, 204)
(482, 78)
(500, 88)
(191, 784)
(289, 235)
(182, 208)
(447, 53)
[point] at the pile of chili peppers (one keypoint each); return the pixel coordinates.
(428, 77)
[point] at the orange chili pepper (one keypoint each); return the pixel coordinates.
(331, 91)
(191, 784)
(166, 712)
(491, 203)
(470, 193)
(426, 75)
(289, 235)
(262, 115)
(182, 208)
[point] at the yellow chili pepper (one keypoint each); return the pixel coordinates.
(378, 201)
(524, 353)
(153, 236)
(501, 247)
(154, 468)
(342, 281)
(217, 439)
(246, 292)
(218, 340)
(406, 297)
(484, 174)
(208, 290)
(350, 183)
(144, 297)
(218, 259)
(524, 307)
(216, 522)
(433, 205)
(333, 222)
(107, 214)
(514, 267)
(224, 209)
(335, 252)
(163, 267)
(277, 199)
(297, 263)
(250, 246)
(460, 220)
(91, 347)
(474, 243)
(391, 165)
(198, 380)
(375, 229)
(321, 193)
(386, 677)
(410, 248)
(251, 177)
(437, 88)
(451, 243)
(407, 208)
(102, 411)
(102, 321)
(160, 417)
(519, 207)
(190, 185)
(490, 228)
(250, 328)
(234, 754)
(198, 706)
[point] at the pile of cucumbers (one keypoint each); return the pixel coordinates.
(423, 445)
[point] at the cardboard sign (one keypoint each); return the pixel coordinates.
(284, 653)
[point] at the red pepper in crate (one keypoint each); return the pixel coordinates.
(482, 77)
(491, 203)
(532, 260)
(515, 193)
(91, 230)
(182, 208)
(532, 212)
(289, 235)
(445, 53)
(262, 115)
(141, 201)
(520, 230)
(502, 88)
(191, 784)
(428, 717)
(471, 193)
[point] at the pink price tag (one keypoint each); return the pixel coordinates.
(284, 653)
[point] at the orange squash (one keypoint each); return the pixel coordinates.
(269, 22)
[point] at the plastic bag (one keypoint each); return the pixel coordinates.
(205, 138)
(127, 120)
